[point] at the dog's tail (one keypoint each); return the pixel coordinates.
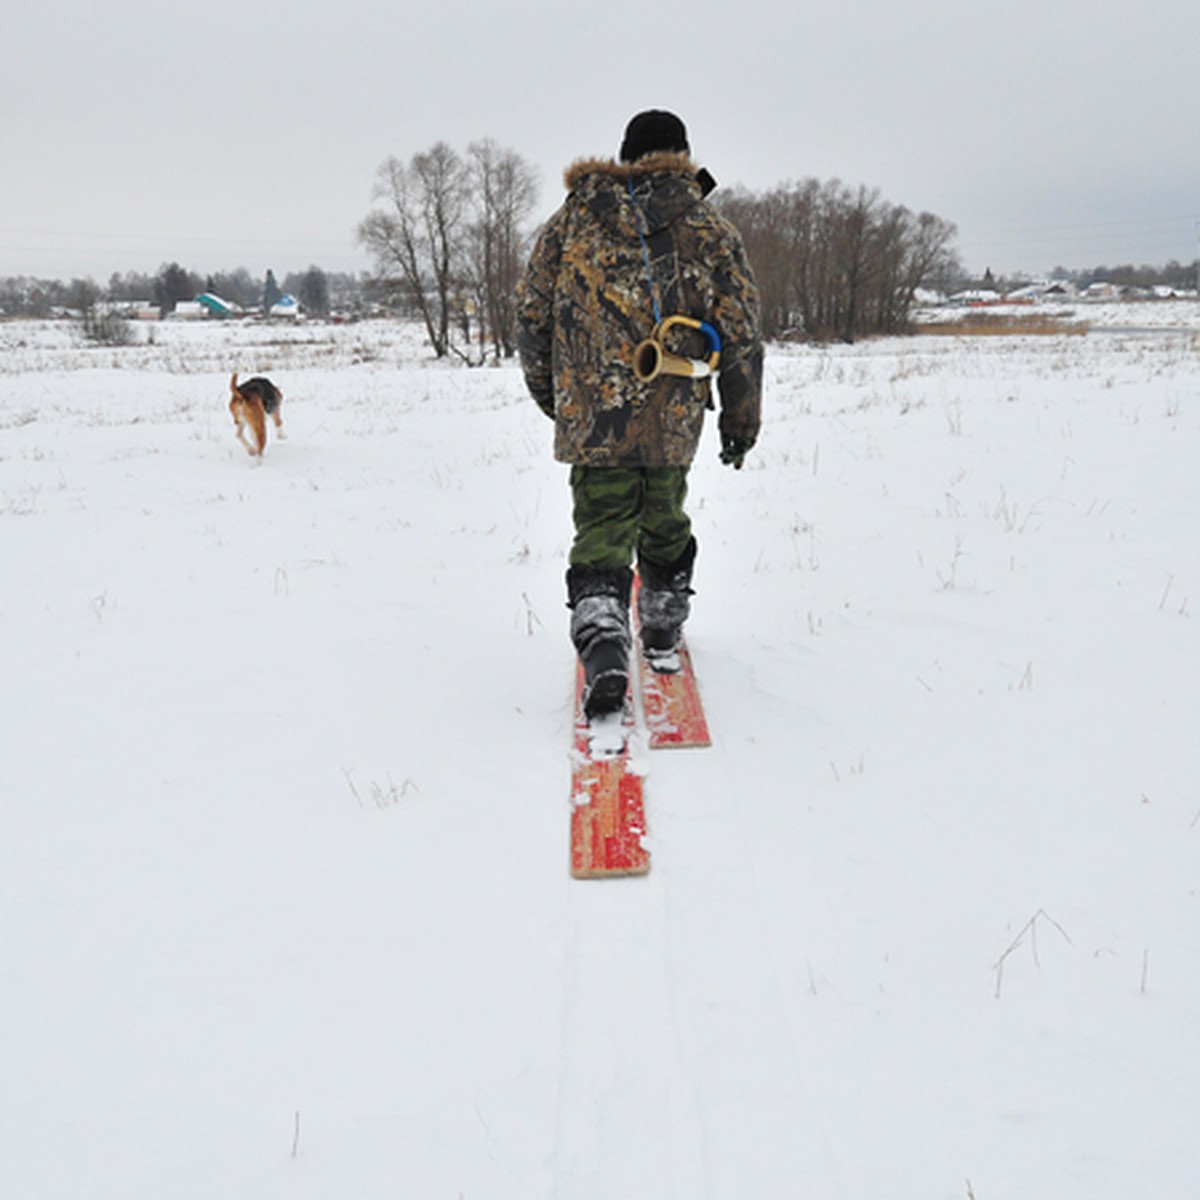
(233, 387)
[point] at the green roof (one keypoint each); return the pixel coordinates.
(216, 304)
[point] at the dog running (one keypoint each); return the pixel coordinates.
(251, 404)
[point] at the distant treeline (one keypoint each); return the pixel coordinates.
(318, 291)
(450, 232)
(1174, 274)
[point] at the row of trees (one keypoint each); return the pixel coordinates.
(318, 291)
(838, 262)
(314, 288)
(1174, 274)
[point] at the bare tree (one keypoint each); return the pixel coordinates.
(930, 254)
(417, 234)
(82, 295)
(314, 292)
(173, 284)
(504, 192)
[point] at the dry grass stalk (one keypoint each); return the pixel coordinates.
(1005, 324)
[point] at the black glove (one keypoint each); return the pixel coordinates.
(734, 450)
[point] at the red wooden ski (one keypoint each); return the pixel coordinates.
(608, 815)
(671, 700)
(674, 714)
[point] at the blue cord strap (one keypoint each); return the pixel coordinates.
(637, 208)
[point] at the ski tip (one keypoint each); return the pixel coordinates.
(630, 872)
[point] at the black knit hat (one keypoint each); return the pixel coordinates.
(653, 130)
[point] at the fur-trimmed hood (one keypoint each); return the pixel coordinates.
(665, 185)
(661, 161)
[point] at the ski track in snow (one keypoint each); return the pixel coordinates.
(285, 908)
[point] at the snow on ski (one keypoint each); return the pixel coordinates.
(671, 701)
(670, 698)
(608, 815)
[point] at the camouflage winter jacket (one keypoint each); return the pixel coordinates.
(586, 301)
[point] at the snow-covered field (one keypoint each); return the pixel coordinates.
(1099, 315)
(284, 900)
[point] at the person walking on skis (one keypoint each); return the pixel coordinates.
(637, 294)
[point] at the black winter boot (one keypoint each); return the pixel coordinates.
(599, 604)
(664, 602)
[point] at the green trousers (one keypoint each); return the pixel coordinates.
(620, 510)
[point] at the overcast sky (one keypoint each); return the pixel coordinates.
(222, 134)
